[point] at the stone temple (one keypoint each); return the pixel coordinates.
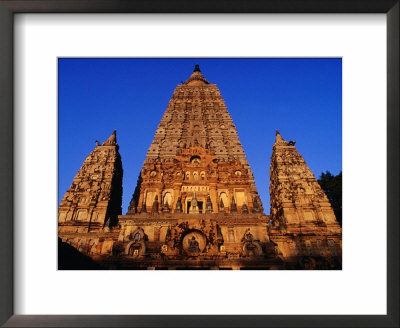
(196, 205)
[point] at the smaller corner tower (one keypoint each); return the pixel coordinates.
(94, 198)
(302, 220)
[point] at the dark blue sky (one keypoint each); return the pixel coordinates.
(302, 98)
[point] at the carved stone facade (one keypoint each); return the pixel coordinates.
(303, 224)
(196, 204)
(91, 205)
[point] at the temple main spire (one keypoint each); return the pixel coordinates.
(197, 77)
(196, 149)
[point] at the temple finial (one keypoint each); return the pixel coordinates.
(112, 140)
(197, 77)
(278, 139)
(282, 142)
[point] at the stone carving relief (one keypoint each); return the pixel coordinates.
(200, 119)
(137, 245)
(251, 247)
(294, 190)
(91, 187)
(194, 243)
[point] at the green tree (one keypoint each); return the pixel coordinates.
(332, 185)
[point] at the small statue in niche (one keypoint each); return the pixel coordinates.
(193, 245)
(209, 207)
(249, 237)
(193, 205)
(154, 209)
(220, 237)
(233, 206)
(166, 208)
(137, 237)
(221, 205)
(256, 205)
(143, 209)
(178, 207)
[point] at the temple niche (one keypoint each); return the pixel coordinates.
(196, 205)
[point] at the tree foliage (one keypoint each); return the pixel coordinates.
(332, 185)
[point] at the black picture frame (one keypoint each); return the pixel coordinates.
(10, 7)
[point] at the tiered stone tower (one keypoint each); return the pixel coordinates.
(196, 149)
(196, 204)
(196, 187)
(303, 223)
(94, 199)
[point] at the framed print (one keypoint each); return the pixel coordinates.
(42, 49)
(209, 212)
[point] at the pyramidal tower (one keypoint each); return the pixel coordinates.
(196, 149)
(93, 201)
(196, 204)
(302, 220)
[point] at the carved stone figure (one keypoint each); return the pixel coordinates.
(165, 208)
(221, 205)
(194, 209)
(233, 206)
(178, 206)
(209, 206)
(193, 245)
(256, 205)
(154, 208)
(137, 236)
(143, 209)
